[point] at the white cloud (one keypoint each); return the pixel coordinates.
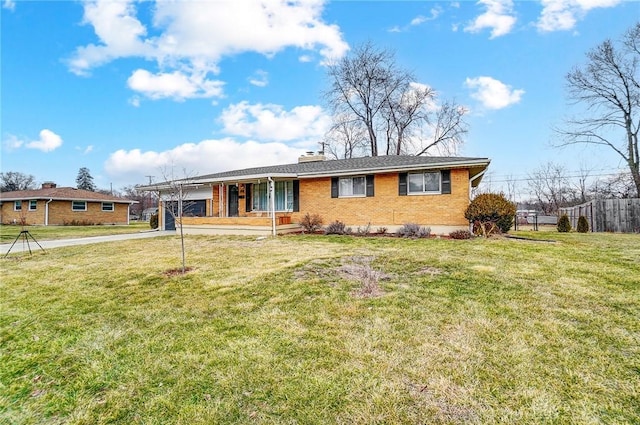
(259, 78)
(47, 142)
(85, 150)
(205, 157)
(418, 20)
(305, 58)
(174, 85)
(498, 17)
(9, 4)
(272, 122)
(190, 39)
(492, 93)
(119, 31)
(12, 143)
(562, 15)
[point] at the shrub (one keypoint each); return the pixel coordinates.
(364, 231)
(311, 223)
(337, 228)
(583, 224)
(78, 223)
(382, 230)
(413, 230)
(564, 225)
(460, 234)
(153, 221)
(490, 213)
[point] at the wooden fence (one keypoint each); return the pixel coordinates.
(607, 215)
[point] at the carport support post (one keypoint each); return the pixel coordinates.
(272, 205)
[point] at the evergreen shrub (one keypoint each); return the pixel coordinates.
(564, 225)
(491, 213)
(583, 224)
(153, 221)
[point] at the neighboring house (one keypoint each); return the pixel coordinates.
(382, 191)
(53, 205)
(147, 213)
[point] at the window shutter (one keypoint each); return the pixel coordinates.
(369, 190)
(402, 184)
(296, 195)
(334, 187)
(445, 175)
(247, 195)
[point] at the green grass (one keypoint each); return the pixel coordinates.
(8, 232)
(279, 331)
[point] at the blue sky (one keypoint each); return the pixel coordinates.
(129, 88)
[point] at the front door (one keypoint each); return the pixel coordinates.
(233, 200)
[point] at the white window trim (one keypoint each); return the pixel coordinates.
(113, 207)
(423, 192)
(36, 206)
(77, 210)
(15, 205)
(364, 195)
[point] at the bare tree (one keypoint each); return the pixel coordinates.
(173, 194)
(550, 187)
(448, 129)
(620, 185)
(403, 111)
(398, 115)
(347, 138)
(609, 87)
(12, 180)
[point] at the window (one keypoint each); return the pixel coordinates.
(352, 186)
(17, 205)
(424, 182)
(33, 205)
(283, 196)
(107, 206)
(78, 205)
(427, 182)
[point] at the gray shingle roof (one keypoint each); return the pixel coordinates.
(61, 193)
(353, 165)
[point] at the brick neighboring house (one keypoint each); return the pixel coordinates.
(53, 205)
(382, 191)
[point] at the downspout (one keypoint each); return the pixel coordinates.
(46, 212)
(477, 176)
(272, 205)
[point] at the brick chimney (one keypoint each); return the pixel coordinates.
(49, 185)
(312, 157)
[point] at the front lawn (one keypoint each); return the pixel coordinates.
(318, 329)
(9, 232)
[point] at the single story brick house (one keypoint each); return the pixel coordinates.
(52, 205)
(381, 191)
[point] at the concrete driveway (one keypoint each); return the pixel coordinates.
(21, 246)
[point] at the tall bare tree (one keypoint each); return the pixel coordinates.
(398, 115)
(608, 87)
(14, 180)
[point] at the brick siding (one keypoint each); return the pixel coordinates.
(60, 213)
(386, 207)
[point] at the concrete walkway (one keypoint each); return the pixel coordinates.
(21, 246)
